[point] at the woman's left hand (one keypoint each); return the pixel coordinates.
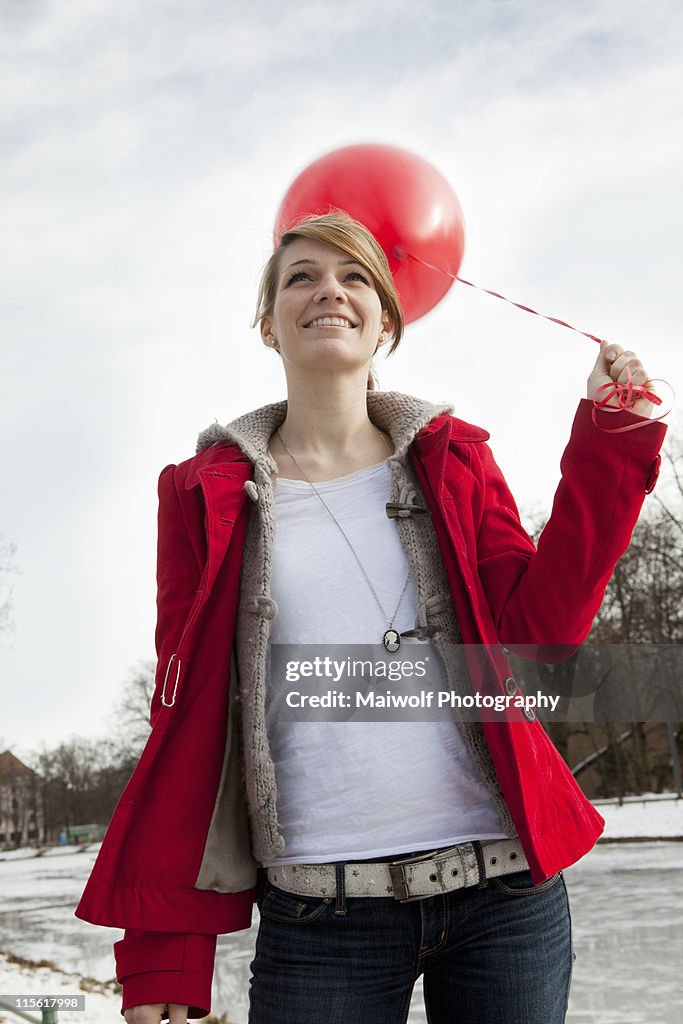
(610, 368)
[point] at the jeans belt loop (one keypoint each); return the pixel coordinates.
(481, 867)
(340, 879)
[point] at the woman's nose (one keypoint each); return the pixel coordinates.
(330, 289)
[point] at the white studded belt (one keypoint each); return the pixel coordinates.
(408, 878)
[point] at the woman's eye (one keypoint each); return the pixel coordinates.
(301, 275)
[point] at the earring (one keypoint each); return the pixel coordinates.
(382, 338)
(275, 343)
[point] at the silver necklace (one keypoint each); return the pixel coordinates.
(391, 637)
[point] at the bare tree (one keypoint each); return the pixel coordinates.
(131, 712)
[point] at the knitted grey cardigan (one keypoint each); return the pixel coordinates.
(401, 416)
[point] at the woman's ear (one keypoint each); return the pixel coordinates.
(387, 325)
(267, 336)
(385, 333)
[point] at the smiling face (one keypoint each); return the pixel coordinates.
(327, 315)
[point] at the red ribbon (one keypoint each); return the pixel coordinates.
(627, 394)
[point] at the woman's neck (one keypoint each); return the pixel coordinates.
(329, 435)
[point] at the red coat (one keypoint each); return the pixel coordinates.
(504, 592)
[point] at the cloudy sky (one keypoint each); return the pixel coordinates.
(145, 150)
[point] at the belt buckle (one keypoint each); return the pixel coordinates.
(398, 876)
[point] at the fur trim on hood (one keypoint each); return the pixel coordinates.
(401, 416)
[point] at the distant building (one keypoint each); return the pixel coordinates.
(21, 816)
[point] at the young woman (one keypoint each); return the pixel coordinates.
(384, 850)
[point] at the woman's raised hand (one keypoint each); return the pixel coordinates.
(154, 1012)
(610, 368)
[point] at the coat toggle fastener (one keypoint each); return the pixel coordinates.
(402, 510)
(424, 632)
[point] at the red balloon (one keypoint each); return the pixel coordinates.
(405, 202)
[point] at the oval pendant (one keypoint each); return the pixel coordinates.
(391, 641)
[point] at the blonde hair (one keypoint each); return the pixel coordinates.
(353, 239)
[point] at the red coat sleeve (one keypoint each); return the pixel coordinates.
(551, 596)
(179, 570)
(160, 967)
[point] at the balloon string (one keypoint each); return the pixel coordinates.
(626, 394)
(400, 253)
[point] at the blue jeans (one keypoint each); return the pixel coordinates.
(501, 954)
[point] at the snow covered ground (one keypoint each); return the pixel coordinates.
(650, 816)
(626, 899)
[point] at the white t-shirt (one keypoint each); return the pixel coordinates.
(360, 789)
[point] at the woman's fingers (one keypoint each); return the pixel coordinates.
(637, 371)
(177, 1014)
(616, 365)
(149, 1014)
(622, 363)
(611, 352)
(152, 1013)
